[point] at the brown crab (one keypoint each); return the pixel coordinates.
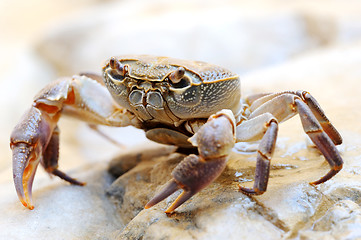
(193, 105)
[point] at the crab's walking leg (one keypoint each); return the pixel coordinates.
(322, 140)
(285, 105)
(258, 100)
(264, 155)
(316, 109)
(50, 159)
(36, 137)
(215, 139)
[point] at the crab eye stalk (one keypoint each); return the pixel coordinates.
(177, 75)
(178, 80)
(117, 67)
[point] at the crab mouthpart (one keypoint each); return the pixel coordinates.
(25, 163)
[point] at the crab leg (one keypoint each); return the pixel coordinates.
(252, 130)
(326, 125)
(215, 139)
(50, 159)
(321, 139)
(258, 100)
(315, 123)
(36, 137)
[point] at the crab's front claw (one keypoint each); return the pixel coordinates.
(28, 140)
(24, 168)
(215, 140)
(192, 175)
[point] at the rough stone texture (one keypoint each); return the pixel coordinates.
(341, 221)
(299, 45)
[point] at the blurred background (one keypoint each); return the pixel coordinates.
(41, 40)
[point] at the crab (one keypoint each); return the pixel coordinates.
(193, 105)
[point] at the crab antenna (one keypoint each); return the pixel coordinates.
(177, 75)
(115, 64)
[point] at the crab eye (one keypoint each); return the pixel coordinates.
(178, 79)
(177, 75)
(118, 70)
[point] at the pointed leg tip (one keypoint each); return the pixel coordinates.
(315, 183)
(184, 196)
(328, 176)
(168, 211)
(75, 182)
(27, 204)
(250, 191)
(24, 204)
(245, 190)
(148, 205)
(171, 208)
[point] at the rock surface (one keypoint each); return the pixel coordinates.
(61, 211)
(276, 46)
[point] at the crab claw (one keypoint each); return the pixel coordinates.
(192, 175)
(24, 167)
(27, 142)
(215, 140)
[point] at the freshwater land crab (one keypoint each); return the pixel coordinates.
(193, 105)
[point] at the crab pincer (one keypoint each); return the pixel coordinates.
(28, 142)
(214, 140)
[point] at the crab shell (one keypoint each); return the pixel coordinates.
(147, 91)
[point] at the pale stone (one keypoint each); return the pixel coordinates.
(61, 211)
(341, 221)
